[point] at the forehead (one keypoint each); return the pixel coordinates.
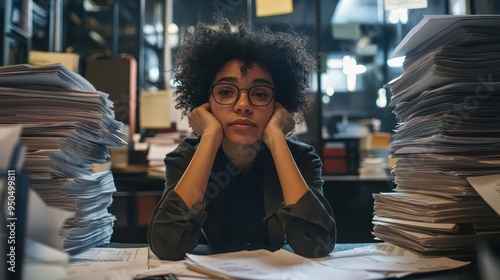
(239, 70)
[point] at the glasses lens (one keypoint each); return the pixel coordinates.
(225, 93)
(261, 95)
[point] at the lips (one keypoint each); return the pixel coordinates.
(242, 124)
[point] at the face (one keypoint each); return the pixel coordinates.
(243, 123)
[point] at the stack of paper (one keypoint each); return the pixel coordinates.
(158, 147)
(447, 102)
(373, 167)
(68, 127)
(30, 230)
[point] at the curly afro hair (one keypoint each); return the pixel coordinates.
(203, 52)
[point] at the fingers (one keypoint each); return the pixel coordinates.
(205, 106)
(195, 118)
(281, 120)
(201, 119)
(277, 106)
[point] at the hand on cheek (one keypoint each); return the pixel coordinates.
(203, 121)
(281, 122)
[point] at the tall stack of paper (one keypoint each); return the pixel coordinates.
(447, 101)
(68, 127)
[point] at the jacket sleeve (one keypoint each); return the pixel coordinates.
(175, 228)
(309, 224)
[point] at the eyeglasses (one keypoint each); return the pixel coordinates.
(228, 94)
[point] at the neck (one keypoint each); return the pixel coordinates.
(241, 154)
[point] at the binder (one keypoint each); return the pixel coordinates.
(341, 156)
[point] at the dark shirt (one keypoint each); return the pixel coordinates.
(243, 223)
(239, 211)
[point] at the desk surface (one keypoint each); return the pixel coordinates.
(468, 272)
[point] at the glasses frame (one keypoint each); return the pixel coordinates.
(211, 91)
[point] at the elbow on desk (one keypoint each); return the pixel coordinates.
(165, 252)
(163, 247)
(311, 242)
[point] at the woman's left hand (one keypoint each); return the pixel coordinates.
(281, 122)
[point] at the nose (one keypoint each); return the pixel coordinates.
(243, 103)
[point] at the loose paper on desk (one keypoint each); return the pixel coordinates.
(107, 263)
(384, 263)
(387, 258)
(266, 265)
(488, 188)
(178, 268)
(383, 248)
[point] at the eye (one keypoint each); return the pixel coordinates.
(225, 90)
(261, 92)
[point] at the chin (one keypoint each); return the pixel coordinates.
(244, 139)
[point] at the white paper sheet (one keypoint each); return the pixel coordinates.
(488, 188)
(384, 263)
(44, 222)
(281, 264)
(100, 263)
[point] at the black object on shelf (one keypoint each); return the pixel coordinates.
(16, 30)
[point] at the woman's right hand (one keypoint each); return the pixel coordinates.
(202, 121)
(192, 184)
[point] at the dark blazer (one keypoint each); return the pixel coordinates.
(308, 226)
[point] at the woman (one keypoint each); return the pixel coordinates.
(242, 184)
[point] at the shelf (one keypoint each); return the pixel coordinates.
(354, 178)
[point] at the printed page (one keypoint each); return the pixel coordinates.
(384, 263)
(96, 263)
(264, 265)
